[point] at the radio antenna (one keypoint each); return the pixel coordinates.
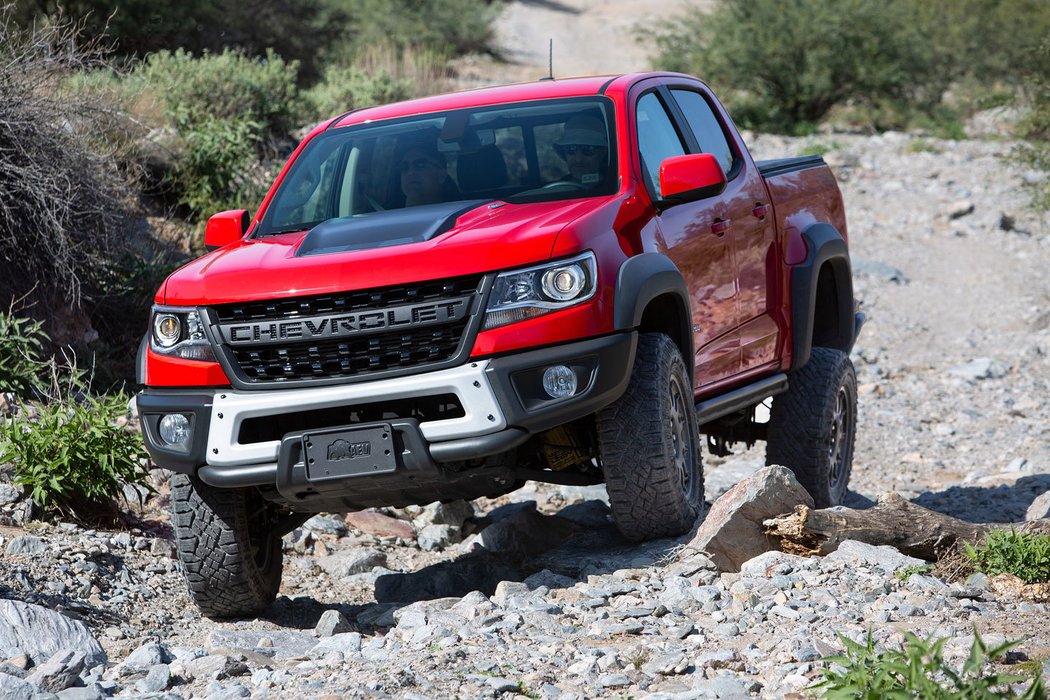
(550, 58)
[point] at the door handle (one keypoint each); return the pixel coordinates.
(720, 226)
(760, 211)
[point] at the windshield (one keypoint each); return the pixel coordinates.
(520, 152)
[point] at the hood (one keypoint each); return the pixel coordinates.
(486, 237)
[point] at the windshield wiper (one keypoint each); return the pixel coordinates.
(294, 228)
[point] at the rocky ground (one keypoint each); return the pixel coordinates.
(536, 595)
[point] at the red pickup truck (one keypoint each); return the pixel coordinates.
(566, 281)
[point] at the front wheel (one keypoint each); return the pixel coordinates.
(812, 426)
(229, 547)
(650, 450)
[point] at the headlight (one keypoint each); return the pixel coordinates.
(534, 291)
(180, 333)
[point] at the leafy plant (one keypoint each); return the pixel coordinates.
(918, 670)
(906, 572)
(1022, 554)
(21, 364)
(75, 455)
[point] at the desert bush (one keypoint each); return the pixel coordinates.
(226, 110)
(349, 87)
(1022, 554)
(74, 454)
(226, 86)
(784, 65)
(302, 30)
(381, 74)
(65, 197)
(919, 670)
(454, 27)
(793, 61)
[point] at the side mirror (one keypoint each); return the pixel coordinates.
(226, 227)
(691, 177)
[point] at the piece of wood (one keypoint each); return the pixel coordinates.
(894, 521)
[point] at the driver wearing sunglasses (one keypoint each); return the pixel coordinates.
(584, 148)
(424, 179)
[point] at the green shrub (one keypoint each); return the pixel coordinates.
(210, 172)
(74, 456)
(783, 64)
(301, 30)
(1022, 554)
(454, 27)
(226, 86)
(226, 109)
(797, 59)
(346, 88)
(21, 361)
(1035, 128)
(918, 670)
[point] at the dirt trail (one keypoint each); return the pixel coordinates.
(591, 37)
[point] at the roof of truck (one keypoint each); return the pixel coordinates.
(480, 97)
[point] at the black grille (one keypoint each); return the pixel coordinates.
(422, 408)
(276, 309)
(293, 360)
(377, 353)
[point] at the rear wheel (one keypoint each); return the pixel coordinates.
(650, 449)
(812, 426)
(229, 546)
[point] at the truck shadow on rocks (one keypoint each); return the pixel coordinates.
(1002, 503)
(515, 543)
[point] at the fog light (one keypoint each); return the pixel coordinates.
(175, 429)
(559, 381)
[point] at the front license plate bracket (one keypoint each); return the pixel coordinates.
(342, 452)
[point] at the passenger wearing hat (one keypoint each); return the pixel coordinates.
(585, 149)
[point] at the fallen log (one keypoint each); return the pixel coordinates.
(894, 521)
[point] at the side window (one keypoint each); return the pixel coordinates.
(657, 139)
(705, 126)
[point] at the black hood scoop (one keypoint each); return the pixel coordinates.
(385, 228)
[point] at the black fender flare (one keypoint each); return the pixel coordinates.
(824, 245)
(140, 360)
(645, 277)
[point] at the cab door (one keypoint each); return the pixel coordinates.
(690, 235)
(747, 218)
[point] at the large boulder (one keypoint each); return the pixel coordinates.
(732, 532)
(39, 633)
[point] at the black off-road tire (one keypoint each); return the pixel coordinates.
(812, 426)
(650, 446)
(230, 552)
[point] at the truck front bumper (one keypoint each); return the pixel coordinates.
(502, 404)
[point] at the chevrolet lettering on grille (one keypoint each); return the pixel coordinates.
(345, 325)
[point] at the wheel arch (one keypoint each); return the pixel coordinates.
(822, 306)
(651, 296)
